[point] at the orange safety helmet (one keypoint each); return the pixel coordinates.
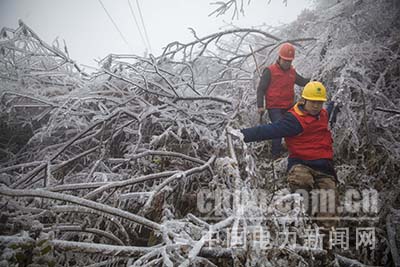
(287, 51)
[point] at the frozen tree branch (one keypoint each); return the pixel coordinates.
(178, 175)
(131, 181)
(236, 5)
(79, 201)
(204, 42)
(80, 209)
(56, 51)
(166, 154)
(78, 228)
(388, 110)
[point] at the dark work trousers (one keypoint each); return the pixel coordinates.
(275, 114)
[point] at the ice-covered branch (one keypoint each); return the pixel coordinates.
(79, 201)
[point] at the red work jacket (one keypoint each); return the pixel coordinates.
(315, 142)
(280, 92)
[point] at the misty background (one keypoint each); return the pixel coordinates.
(92, 29)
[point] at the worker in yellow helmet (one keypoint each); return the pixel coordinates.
(309, 141)
(304, 127)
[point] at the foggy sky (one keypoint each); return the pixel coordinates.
(90, 34)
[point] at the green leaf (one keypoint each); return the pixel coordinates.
(41, 242)
(45, 250)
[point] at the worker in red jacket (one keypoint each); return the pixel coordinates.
(309, 141)
(277, 88)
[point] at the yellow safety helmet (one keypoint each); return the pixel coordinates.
(314, 91)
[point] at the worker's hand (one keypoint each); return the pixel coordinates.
(234, 132)
(261, 110)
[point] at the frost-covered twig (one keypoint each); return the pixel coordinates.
(178, 175)
(388, 110)
(28, 97)
(211, 98)
(169, 51)
(164, 93)
(78, 228)
(52, 49)
(80, 201)
(20, 166)
(128, 182)
(110, 250)
(80, 209)
(78, 186)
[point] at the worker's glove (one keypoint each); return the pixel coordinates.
(234, 133)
